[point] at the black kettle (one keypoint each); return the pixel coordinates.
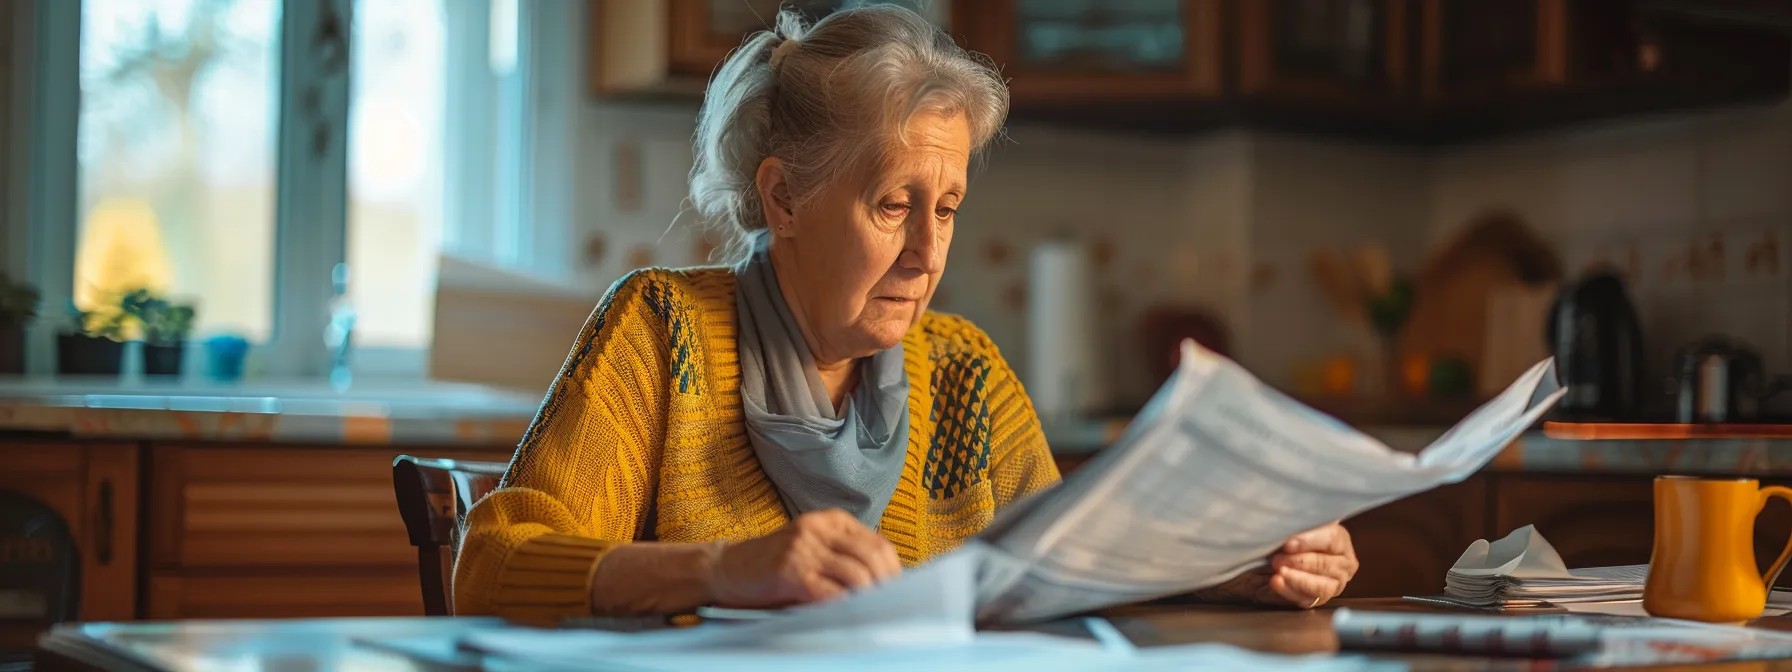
(1720, 379)
(1598, 346)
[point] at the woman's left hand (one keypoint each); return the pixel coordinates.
(1311, 569)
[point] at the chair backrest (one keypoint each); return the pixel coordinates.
(433, 498)
(40, 573)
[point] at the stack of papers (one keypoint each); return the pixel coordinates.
(1523, 567)
(1523, 570)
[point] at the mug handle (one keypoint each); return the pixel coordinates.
(1779, 564)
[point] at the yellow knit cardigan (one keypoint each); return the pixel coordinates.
(642, 438)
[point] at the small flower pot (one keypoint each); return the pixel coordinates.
(83, 355)
(163, 359)
(12, 350)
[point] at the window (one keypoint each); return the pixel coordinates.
(395, 137)
(231, 153)
(176, 156)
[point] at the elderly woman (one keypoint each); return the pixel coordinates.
(797, 425)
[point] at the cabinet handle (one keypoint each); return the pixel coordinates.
(102, 525)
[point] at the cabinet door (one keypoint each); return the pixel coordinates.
(241, 531)
(1068, 50)
(705, 31)
(93, 487)
(1592, 522)
(674, 46)
(1406, 547)
(1482, 49)
(1339, 51)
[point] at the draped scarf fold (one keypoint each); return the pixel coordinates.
(817, 459)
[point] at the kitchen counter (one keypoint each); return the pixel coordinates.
(1758, 454)
(431, 413)
(378, 413)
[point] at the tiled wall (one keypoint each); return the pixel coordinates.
(1229, 222)
(1694, 208)
(1174, 216)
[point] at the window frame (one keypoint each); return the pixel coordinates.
(525, 230)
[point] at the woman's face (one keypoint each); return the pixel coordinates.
(859, 262)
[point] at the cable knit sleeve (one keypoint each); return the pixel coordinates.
(582, 479)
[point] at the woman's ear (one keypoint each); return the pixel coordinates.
(774, 197)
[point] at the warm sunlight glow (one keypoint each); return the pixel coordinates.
(121, 250)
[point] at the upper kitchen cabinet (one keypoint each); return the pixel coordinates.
(1485, 49)
(1056, 51)
(673, 46)
(1342, 52)
(1490, 67)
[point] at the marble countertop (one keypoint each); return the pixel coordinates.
(414, 412)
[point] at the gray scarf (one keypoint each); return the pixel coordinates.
(816, 460)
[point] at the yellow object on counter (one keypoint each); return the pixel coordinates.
(1703, 565)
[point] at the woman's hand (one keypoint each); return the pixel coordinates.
(1311, 569)
(819, 555)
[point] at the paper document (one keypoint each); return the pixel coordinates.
(1214, 475)
(921, 620)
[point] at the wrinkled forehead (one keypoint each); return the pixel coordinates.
(934, 148)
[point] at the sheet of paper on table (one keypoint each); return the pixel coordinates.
(919, 621)
(1213, 475)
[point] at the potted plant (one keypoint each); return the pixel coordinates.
(94, 346)
(165, 327)
(18, 306)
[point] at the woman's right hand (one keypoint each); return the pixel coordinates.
(819, 555)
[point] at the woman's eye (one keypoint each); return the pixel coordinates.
(895, 209)
(945, 213)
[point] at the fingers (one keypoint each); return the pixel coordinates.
(844, 572)
(1338, 567)
(1331, 538)
(818, 587)
(845, 535)
(1304, 589)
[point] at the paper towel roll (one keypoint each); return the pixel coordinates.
(1065, 379)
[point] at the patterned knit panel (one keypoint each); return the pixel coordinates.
(958, 456)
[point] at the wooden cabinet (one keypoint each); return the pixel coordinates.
(1068, 50)
(259, 530)
(1339, 52)
(93, 487)
(1591, 521)
(674, 46)
(1425, 71)
(1406, 547)
(1484, 49)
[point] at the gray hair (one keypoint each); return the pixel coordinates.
(825, 100)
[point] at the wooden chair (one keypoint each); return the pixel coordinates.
(433, 498)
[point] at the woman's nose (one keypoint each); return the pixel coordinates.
(925, 247)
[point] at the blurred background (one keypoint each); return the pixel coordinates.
(1386, 208)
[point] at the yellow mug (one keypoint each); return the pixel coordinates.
(1703, 568)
